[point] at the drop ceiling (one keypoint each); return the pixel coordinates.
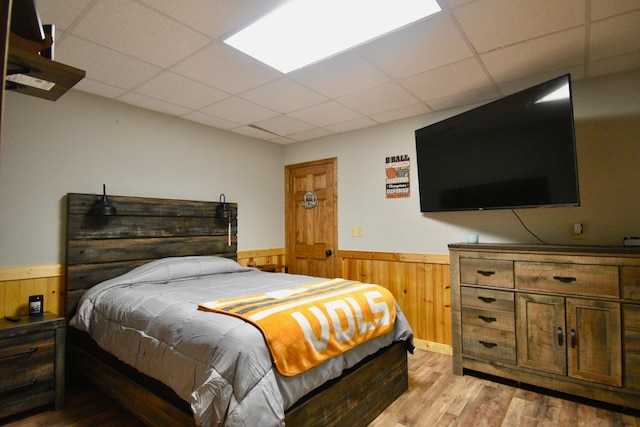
(169, 56)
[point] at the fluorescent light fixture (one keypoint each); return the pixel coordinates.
(302, 32)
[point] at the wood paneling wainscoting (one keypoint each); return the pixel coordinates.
(18, 283)
(263, 256)
(419, 282)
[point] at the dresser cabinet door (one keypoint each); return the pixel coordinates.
(540, 333)
(595, 341)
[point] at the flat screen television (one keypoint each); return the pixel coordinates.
(516, 152)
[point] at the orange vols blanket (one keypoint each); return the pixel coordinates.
(306, 325)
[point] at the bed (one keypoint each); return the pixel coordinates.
(169, 251)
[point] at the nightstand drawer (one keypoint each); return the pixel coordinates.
(487, 342)
(491, 272)
(486, 298)
(27, 361)
(574, 279)
(495, 319)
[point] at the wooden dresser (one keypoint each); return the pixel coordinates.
(31, 363)
(566, 318)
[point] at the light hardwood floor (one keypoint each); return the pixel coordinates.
(435, 398)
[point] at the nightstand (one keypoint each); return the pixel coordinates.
(31, 363)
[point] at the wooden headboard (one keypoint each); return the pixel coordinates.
(102, 247)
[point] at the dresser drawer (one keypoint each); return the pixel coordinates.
(574, 279)
(490, 272)
(486, 342)
(486, 298)
(496, 319)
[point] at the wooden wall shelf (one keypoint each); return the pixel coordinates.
(44, 71)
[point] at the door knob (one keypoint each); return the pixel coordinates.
(328, 252)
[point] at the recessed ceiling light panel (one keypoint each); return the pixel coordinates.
(302, 32)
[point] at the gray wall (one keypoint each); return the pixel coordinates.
(607, 115)
(81, 141)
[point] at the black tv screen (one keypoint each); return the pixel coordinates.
(516, 152)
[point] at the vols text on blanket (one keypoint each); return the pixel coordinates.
(306, 325)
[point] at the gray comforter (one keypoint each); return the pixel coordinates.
(219, 364)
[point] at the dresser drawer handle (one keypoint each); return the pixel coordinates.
(486, 272)
(487, 319)
(23, 353)
(488, 300)
(21, 386)
(488, 344)
(564, 279)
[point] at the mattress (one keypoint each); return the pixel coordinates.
(219, 364)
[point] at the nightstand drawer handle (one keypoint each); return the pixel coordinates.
(486, 272)
(487, 319)
(21, 386)
(488, 344)
(488, 300)
(24, 353)
(564, 279)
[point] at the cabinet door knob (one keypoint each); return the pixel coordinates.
(573, 338)
(560, 336)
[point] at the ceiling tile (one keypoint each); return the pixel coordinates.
(472, 97)
(239, 110)
(607, 34)
(341, 75)
(351, 125)
(134, 29)
(324, 114)
(182, 91)
(170, 56)
(401, 113)
(61, 13)
(153, 104)
(555, 52)
(462, 76)
(284, 96)
(206, 119)
(284, 125)
(222, 67)
(615, 65)
(105, 65)
(214, 17)
(311, 134)
(425, 45)
(492, 24)
(98, 88)
(605, 8)
(389, 96)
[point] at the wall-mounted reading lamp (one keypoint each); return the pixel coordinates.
(226, 211)
(103, 207)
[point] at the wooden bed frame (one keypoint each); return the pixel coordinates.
(101, 247)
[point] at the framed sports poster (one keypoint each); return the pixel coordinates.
(397, 173)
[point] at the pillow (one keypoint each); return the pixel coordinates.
(176, 268)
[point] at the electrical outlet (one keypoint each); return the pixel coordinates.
(359, 231)
(353, 232)
(578, 231)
